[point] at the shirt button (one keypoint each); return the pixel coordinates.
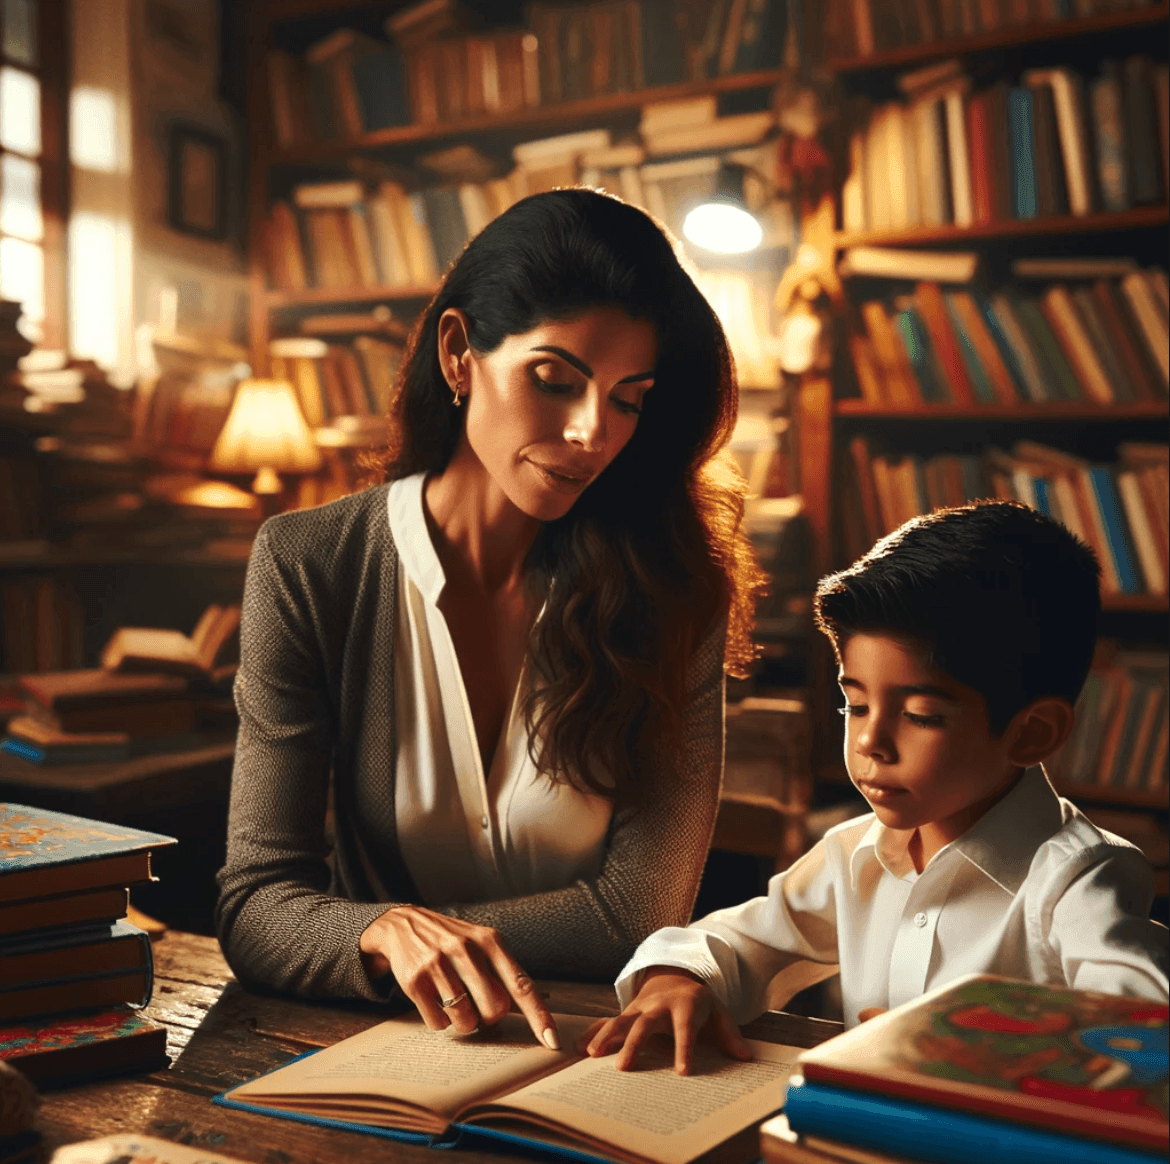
(920, 920)
(484, 822)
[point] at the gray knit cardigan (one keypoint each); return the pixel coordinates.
(315, 694)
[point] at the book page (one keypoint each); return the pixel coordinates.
(401, 1060)
(652, 1112)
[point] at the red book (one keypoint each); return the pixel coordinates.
(933, 310)
(982, 162)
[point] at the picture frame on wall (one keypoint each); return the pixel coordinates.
(197, 182)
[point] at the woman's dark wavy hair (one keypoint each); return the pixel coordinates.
(654, 551)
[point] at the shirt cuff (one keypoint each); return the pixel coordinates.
(686, 949)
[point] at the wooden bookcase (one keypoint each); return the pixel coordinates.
(828, 416)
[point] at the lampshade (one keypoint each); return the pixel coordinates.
(265, 432)
(723, 223)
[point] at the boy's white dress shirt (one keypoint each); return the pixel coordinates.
(1032, 890)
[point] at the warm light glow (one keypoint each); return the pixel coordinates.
(22, 277)
(93, 129)
(20, 111)
(719, 226)
(93, 299)
(20, 197)
(264, 433)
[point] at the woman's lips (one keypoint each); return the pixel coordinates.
(563, 478)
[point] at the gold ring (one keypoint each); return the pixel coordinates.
(447, 1003)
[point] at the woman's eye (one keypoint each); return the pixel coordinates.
(851, 709)
(630, 407)
(926, 721)
(553, 387)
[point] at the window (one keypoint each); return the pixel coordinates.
(31, 138)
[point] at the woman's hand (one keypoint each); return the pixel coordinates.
(670, 1001)
(457, 974)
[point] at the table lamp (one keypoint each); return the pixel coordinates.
(265, 432)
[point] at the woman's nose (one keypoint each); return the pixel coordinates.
(586, 424)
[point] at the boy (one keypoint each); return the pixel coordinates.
(962, 640)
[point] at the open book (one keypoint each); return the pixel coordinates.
(139, 648)
(502, 1084)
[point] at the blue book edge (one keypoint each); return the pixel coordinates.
(1116, 531)
(462, 1136)
(899, 1127)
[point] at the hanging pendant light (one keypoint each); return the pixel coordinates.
(724, 224)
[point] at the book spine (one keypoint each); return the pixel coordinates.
(1141, 526)
(984, 389)
(1105, 102)
(932, 383)
(1062, 380)
(896, 1127)
(959, 154)
(982, 161)
(1151, 321)
(1140, 133)
(1116, 534)
(1062, 316)
(1023, 153)
(932, 310)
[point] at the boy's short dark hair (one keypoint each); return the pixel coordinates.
(1006, 600)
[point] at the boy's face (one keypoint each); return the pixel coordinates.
(917, 742)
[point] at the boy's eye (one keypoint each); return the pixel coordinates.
(927, 721)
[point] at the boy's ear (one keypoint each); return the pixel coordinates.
(1039, 729)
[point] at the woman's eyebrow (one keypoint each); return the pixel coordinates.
(585, 369)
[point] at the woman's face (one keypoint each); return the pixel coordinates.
(548, 410)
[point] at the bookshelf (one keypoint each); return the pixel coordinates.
(834, 411)
(286, 40)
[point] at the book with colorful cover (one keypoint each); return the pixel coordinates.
(60, 1051)
(1089, 1068)
(44, 852)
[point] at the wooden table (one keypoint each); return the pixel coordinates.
(220, 1035)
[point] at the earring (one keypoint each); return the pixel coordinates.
(457, 393)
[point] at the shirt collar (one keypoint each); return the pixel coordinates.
(412, 539)
(1001, 844)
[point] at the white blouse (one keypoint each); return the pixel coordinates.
(467, 835)
(1032, 890)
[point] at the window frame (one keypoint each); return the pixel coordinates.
(52, 73)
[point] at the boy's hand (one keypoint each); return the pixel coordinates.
(670, 1001)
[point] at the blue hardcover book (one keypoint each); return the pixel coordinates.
(1040, 487)
(500, 1086)
(44, 852)
(1060, 376)
(939, 1135)
(976, 373)
(1023, 152)
(1116, 529)
(931, 381)
(1006, 351)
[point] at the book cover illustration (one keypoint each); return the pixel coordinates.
(32, 837)
(66, 1033)
(1073, 1061)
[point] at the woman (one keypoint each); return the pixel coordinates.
(511, 657)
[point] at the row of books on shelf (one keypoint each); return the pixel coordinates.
(20, 498)
(1050, 145)
(351, 83)
(861, 28)
(1100, 340)
(73, 970)
(43, 623)
(1122, 727)
(1120, 510)
(349, 234)
(334, 380)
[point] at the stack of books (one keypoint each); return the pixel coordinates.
(73, 972)
(157, 690)
(980, 1071)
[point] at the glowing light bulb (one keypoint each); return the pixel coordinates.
(720, 226)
